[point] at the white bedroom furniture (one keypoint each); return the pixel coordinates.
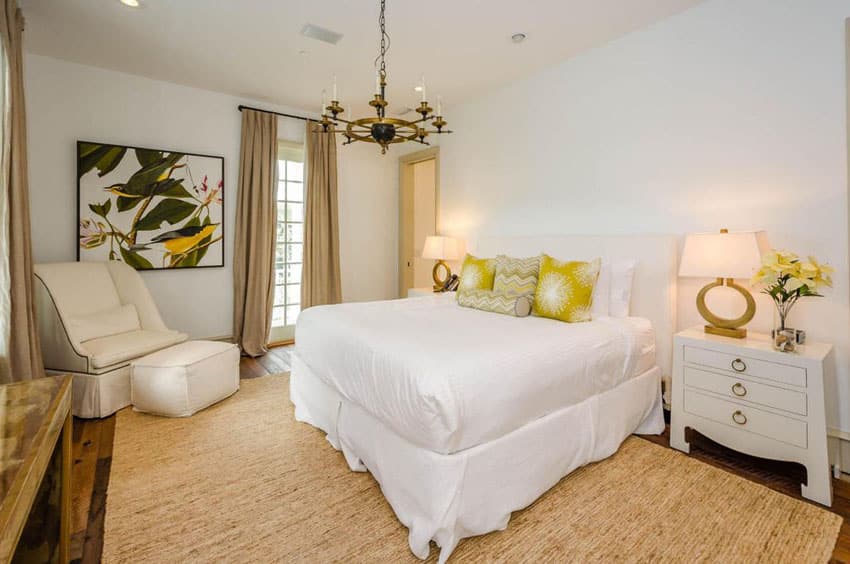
(94, 318)
(743, 394)
(459, 413)
(186, 378)
(419, 292)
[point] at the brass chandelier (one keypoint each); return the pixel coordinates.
(381, 129)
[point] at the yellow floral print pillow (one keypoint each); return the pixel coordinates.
(477, 274)
(565, 289)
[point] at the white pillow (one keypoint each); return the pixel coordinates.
(622, 274)
(121, 319)
(601, 293)
(612, 294)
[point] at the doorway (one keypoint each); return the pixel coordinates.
(419, 203)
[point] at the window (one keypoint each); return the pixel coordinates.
(290, 240)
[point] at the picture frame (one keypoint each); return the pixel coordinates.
(154, 209)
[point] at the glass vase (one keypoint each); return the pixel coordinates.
(783, 334)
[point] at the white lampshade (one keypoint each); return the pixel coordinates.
(438, 247)
(723, 255)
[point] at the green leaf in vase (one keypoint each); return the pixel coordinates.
(171, 210)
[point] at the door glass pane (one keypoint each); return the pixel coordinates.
(295, 232)
(295, 191)
(294, 170)
(292, 312)
(294, 253)
(293, 273)
(280, 294)
(293, 294)
(294, 212)
(289, 244)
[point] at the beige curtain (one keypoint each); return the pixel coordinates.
(23, 353)
(256, 216)
(320, 278)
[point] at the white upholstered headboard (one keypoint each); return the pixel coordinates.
(654, 285)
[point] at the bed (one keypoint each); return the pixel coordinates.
(464, 416)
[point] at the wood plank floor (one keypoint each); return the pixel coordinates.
(92, 452)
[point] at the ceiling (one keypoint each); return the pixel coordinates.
(253, 48)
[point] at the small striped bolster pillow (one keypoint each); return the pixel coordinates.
(496, 302)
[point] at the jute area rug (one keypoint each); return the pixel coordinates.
(243, 482)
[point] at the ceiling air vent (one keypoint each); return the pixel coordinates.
(320, 33)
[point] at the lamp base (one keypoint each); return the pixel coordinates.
(726, 327)
(739, 333)
(435, 274)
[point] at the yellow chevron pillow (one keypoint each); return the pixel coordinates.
(517, 276)
(476, 274)
(490, 300)
(565, 289)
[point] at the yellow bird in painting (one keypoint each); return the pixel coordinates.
(185, 239)
(117, 190)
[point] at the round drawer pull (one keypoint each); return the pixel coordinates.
(739, 418)
(739, 365)
(739, 390)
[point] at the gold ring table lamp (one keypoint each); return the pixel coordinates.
(724, 256)
(441, 249)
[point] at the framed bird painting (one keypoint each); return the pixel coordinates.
(153, 209)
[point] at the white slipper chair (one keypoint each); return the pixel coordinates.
(94, 318)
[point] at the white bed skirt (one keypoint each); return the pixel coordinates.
(447, 497)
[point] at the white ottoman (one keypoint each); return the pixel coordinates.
(184, 379)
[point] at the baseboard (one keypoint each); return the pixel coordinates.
(225, 338)
(839, 452)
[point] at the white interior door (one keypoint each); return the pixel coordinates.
(424, 219)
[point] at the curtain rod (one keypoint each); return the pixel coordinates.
(241, 107)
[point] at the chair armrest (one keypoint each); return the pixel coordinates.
(59, 351)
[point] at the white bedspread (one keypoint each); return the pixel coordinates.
(448, 378)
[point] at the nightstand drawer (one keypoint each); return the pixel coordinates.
(746, 418)
(746, 390)
(794, 375)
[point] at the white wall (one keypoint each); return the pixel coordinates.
(67, 102)
(731, 114)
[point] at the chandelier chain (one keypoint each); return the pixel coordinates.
(385, 40)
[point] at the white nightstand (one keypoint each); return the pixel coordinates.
(745, 395)
(419, 292)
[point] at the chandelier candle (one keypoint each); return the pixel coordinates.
(381, 129)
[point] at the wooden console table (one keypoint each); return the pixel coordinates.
(35, 470)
